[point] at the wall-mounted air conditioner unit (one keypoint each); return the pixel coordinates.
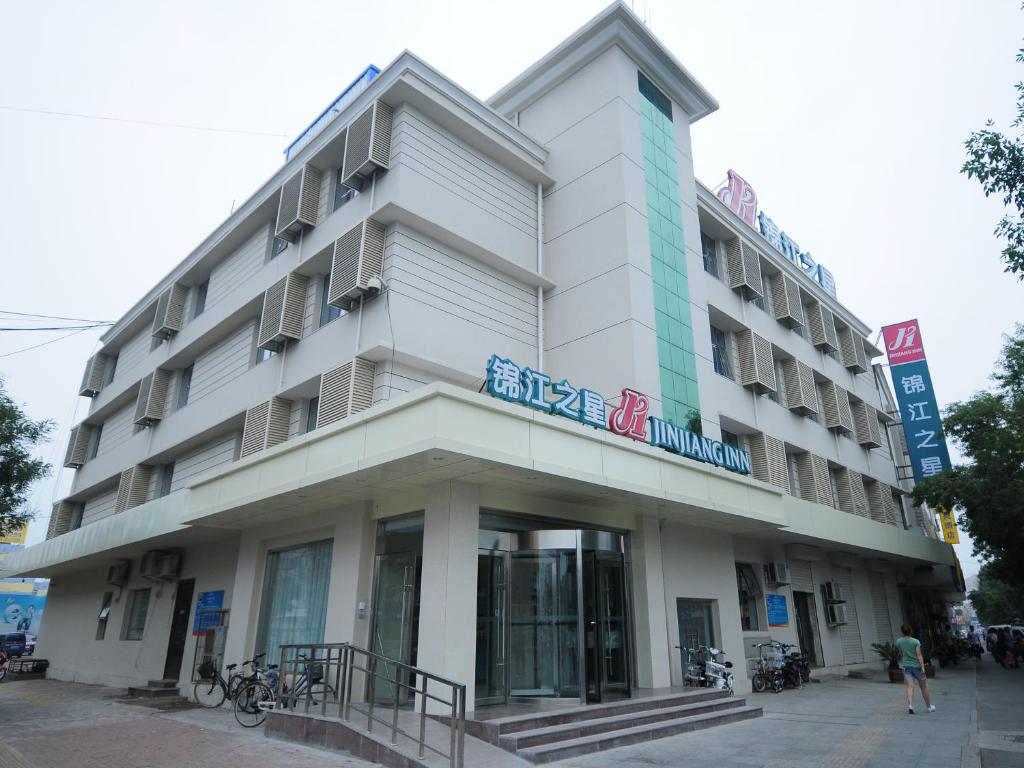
(169, 566)
(835, 614)
(65, 517)
(148, 564)
(851, 350)
(298, 204)
(95, 376)
(757, 368)
(821, 325)
(133, 487)
(367, 144)
(284, 305)
(836, 414)
(266, 425)
(152, 398)
(832, 591)
(118, 573)
(78, 446)
(346, 390)
(786, 302)
(777, 573)
(170, 311)
(357, 264)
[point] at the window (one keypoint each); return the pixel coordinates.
(95, 447)
(342, 192)
(709, 249)
(101, 620)
(76, 517)
(135, 616)
(185, 386)
(200, 304)
(833, 479)
(312, 410)
(166, 477)
(728, 438)
(328, 313)
(794, 475)
(720, 352)
(111, 369)
(263, 355)
(277, 246)
(750, 595)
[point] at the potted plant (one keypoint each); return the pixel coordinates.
(891, 654)
(928, 653)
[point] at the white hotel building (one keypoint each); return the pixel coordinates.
(295, 423)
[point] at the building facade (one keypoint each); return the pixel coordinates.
(496, 388)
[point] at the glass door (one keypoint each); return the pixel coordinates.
(396, 608)
(604, 619)
(491, 627)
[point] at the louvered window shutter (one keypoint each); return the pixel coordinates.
(358, 257)
(61, 518)
(859, 494)
(757, 368)
(133, 487)
(851, 350)
(298, 204)
(95, 376)
(822, 326)
(893, 506)
(836, 413)
(266, 425)
(877, 505)
(768, 460)
(368, 144)
(865, 422)
(786, 304)
(812, 471)
(170, 311)
(345, 390)
(744, 269)
(284, 305)
(152, 399)
(798, 378)
(78, 446)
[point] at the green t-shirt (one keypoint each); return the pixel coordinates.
(908, 646)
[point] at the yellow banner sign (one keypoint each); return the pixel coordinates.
(16, 537)
(947, 522)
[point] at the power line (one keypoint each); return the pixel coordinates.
(61, 327)
(50, 317)
(51, 341)
(141, 122)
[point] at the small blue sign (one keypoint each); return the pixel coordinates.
(208, 607)
(778, 612)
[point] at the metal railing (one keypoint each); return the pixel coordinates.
(319, 678)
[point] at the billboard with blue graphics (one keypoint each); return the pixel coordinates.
(919, 408)
(21, 612)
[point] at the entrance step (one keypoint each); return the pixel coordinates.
(545, 736)
(162, 684)
(155, 690)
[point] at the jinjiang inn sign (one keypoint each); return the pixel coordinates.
(631, 418)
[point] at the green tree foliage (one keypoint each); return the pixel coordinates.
(996, 601)
(989, 488)
(18, 468)
(996, 160)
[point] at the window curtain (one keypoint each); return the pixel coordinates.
(294, 605)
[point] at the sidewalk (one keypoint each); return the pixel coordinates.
(841, 723)
(1000, 715)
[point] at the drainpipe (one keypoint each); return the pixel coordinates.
(540, 271)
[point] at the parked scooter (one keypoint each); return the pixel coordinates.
(797, 669)
(704, 670)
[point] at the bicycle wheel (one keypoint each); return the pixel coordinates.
(3, 673)
(758, 682)
(208, 693)
(778, 682)
(252, 704)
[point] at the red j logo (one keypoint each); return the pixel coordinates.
(630, 418)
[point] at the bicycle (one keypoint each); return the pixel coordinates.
(257, 698)
(211, 690)
(5, 661)
(769, 670)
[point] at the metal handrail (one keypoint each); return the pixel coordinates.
(338, 663)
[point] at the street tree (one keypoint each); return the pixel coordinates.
(18, 468)
(988, 489)
(996, 160)
(995, 601)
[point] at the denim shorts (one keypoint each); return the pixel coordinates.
(915, 673)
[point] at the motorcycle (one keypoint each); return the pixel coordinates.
(796, 666)
(704, 670)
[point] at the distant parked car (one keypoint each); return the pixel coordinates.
(13, 643)
(30, 644)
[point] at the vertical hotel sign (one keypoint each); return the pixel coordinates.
(915, 395)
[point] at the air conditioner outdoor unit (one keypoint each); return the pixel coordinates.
(367, 144)
(357, 263)
(298, 203)
(117, 574)
(169, 566)
(170, 311)
(832, 592)
(835, 614)
(149, 566)
(777, 573)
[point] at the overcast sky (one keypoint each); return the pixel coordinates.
(848, 120)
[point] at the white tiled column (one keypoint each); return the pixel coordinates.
(352, 530)
(447, 627)
(652, 640)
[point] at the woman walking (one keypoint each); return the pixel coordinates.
(913, 668)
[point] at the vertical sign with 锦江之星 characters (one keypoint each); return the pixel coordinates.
(919, 409)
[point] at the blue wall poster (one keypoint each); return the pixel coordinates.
(208, 607)
(778, 612)
(21, 612)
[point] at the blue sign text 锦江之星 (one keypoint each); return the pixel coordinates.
(785, 245)
(516, 384)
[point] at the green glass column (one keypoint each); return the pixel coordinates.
(673, 323)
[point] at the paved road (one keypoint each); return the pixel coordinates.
(50, 724)
(1000, 715)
